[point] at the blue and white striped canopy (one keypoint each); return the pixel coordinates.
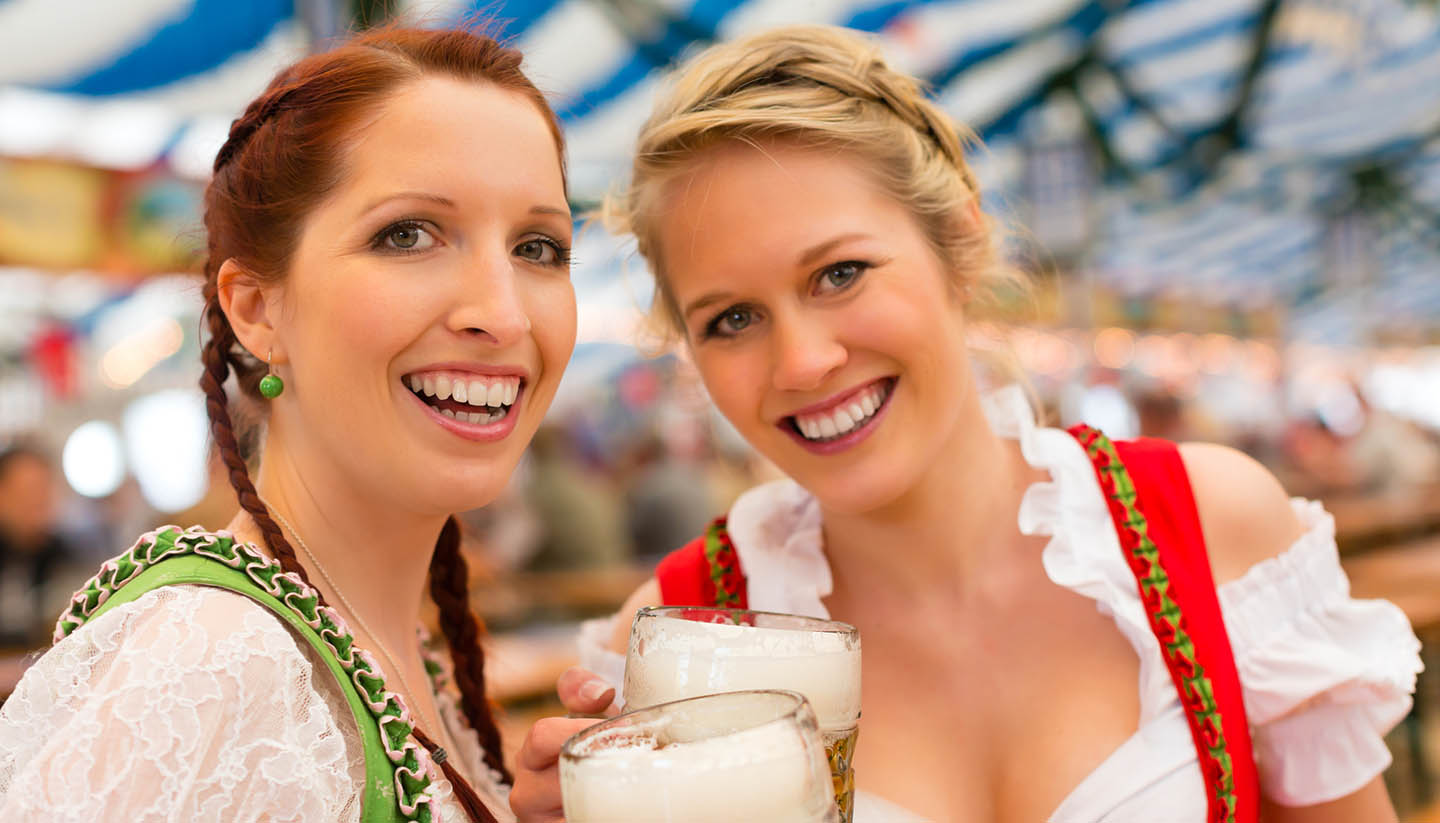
(1322, 190)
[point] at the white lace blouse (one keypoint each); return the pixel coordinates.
(1324, 675)
(195, 703)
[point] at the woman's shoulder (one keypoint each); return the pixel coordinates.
(194, 625)
(1245, 514)
(184, 685)
(187, 625)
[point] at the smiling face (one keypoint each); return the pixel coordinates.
(824, 325)
(428, 311)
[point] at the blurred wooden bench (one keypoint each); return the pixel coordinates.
(525, 664)
(1408, 575)
(516, 600)
(1377, 521)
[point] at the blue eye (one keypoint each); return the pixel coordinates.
(730, 322)
(840, 276)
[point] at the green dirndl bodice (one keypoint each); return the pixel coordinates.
(398, 784)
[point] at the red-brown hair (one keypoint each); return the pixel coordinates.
(281, 159)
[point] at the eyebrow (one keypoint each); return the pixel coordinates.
(448, 203)
(819, 250)
(705, 300)
(408, 195)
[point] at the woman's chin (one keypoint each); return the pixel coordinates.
(457, 488)
(842, 496)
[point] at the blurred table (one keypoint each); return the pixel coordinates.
(518, 600)
(1405, 573)
(524, 664)
(1408, 574)
(1364, 522)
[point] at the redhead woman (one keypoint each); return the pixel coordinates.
(1056, 627)
(388, 284)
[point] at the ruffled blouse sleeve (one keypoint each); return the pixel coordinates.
(593, 644)
(188, 704)
(1325, 675)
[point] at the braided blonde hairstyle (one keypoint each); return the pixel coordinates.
(826, 87)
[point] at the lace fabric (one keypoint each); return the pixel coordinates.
(191, 703)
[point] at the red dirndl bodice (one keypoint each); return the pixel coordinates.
(1153, 508)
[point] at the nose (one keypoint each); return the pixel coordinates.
(806, 351)
(489, 303)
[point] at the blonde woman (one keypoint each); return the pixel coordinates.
(1056, 626)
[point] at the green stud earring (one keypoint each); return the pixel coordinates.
(271, 385)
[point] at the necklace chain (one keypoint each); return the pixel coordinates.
(360, 621)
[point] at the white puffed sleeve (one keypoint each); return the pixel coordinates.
(1325, 675)
(191, 703)
(593, 644)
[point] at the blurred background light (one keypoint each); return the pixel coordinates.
(93, 460)
(166, 440)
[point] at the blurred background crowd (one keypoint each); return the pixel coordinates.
(1231, 209)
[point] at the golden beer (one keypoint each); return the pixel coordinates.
(840, 751)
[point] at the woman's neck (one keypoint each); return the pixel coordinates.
(368, 557)
(945, 528)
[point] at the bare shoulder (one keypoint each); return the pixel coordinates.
(1245, 513)
(647, 595)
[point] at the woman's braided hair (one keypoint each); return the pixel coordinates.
(279, 161)
(813, 86)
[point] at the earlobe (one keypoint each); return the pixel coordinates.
(242, 299)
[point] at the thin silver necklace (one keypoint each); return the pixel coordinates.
(439, 754)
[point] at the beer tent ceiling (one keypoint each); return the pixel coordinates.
(1233, 150)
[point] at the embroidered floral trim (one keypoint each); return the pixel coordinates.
(414, 771)
(1197, 693)
(725, 572)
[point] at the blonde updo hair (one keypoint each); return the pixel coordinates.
(826, 87)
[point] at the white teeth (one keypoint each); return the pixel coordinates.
(844, 419)
(482, 394)
(448, 413)
(497, 394)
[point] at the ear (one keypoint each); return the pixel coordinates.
(250, 307)
(972, 212)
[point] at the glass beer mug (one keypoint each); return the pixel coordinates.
(679, 651)
(748, 755)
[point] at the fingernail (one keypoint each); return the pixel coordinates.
(594, 689)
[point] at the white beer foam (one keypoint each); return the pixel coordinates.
(684, 658)
(623, 777)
